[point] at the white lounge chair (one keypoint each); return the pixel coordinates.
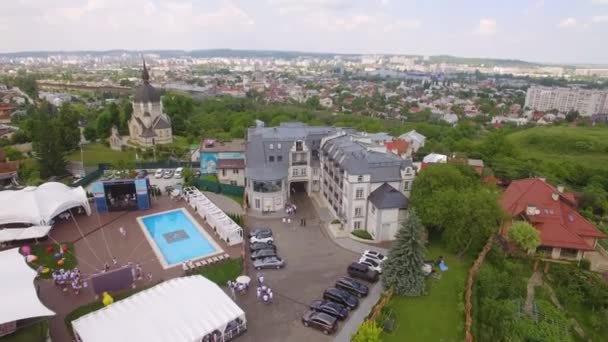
(205, 263)
(226, 256)
(198, 264)
(185, 267)
(215, 259)
(220, 257)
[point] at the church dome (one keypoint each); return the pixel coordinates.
(146, 92)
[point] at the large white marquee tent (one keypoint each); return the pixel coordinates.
(19, 296)
(39, 205)
(180, 309)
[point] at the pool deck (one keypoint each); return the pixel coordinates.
(101, 241)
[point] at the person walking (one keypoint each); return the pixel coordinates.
(123, 232)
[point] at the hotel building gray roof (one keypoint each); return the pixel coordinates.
(260, 139)
(387, 197)
(358, 159)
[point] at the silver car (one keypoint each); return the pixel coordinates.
(270, 262)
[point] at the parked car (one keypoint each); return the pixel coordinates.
(352, 286)
(331, 308)
(263, 253)
(319, 320)
(159, 173)
(257, 230)
(357, 270)
(341, 297)
(372, 264)
(167, 174)
(265, 237)
(375, 255)
(197, 174)
(178, 172)
(270, 262)
(260, 246)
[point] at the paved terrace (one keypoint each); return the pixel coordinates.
(101, 241)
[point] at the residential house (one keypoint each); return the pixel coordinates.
(415, 139)
(5, 113)
(8, 170)
(231, 171)
(564, 233)
(326, 102)
(212, 152)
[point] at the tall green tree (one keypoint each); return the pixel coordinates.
(403, 269)
(68, 124)
(524, 235)
(368, 331)
(47, 143)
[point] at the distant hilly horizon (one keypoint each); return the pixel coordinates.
(198, 53)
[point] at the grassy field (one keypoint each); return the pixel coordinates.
(438, 316)
(587, 146)
(48, 259)
(222, 272)
(34, 333)
(99, 153)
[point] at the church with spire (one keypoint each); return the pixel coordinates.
(149, 125)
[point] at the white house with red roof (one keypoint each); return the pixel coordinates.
(564, 234)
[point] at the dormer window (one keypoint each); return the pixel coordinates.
(271, 146)
(299, 146)
(360, 179)
(278, 146)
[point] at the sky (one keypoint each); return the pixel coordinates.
(551, 31)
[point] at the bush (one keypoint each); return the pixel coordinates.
(335, 221)
(362, 234)
(585, 264)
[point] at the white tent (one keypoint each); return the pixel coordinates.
(38, 205)
(180, 309)
(223, 225)
(33, 232)
(19, 295)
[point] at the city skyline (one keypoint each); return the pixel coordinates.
(559, 31)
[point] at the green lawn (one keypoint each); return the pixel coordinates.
(34, 333)
(438, 316)
(99, 153)
(48, 259)
(222, 272)
(587, 146)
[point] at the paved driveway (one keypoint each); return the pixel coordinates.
(314, 263)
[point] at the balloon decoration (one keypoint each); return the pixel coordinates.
(107, 299)
(64, 248)
(39, 269)
(46, 270)
(49, 249)
(31, 258)
(60, 262)
(26, 250)
(57, 256)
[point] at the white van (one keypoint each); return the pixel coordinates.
(178, 172)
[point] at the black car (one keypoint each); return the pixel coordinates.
(258, 230)
(261, 245)
(341, 297)
(263, 253)
(357, 270)
(352, 286)
(319, 320)
(331, 308)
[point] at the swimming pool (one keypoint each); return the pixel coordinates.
(175, 236)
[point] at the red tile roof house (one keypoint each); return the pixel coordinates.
(563, 232)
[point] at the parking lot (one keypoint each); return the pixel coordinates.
(314, 263)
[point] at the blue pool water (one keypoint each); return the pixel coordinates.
(177, 237)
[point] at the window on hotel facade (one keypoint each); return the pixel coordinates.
(360, 179)
(294, 172)
(267, 186)
(257, 203)
(299, 146)
(359, 194)
(358, 211)
(406, 186)
(271, 159)
(278, 146)
(357, 224)
(271, 146)
(279, 158)
(373, 209)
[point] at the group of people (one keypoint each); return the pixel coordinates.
(237, 287)
(65, 279)
(290, 209)
(265, 294)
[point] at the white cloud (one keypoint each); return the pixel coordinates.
(600, 19)
(299, 6)
(486, 27)
(568, 23)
